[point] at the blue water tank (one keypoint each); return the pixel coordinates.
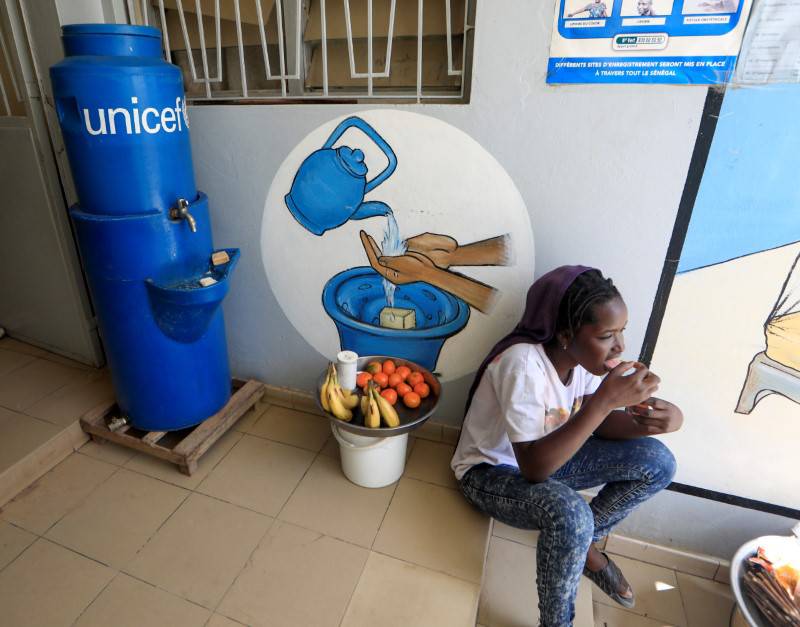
(123, 117)
(143, 229)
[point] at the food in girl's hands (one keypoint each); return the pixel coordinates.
(641, 409)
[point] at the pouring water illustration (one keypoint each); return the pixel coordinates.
(330, 184)
(410, 278)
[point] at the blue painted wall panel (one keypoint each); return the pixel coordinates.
(749, 199)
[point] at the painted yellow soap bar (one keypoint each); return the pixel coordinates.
(398, 318)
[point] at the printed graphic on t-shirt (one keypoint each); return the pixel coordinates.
(554, 418)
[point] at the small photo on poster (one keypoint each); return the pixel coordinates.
(588, 8)
(710, 6)
(646, 8)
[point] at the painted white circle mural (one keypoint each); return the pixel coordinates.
(458, 264)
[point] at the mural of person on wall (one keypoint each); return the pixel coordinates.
(328, 190)
(776, 370)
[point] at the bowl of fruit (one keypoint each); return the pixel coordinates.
(392, 396)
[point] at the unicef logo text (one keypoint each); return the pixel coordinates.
(150, 120)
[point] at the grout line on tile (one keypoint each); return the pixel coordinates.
(299, 481)
(88, 557)
(21, 553)
(247, 563)
(355, 587)
(152, 535)
(430, 568)
(19, 366)
(169, 592)
(244, 507)
(21, 410)
(91, 602)
(386, 511)
(233, 620)
(78, 504)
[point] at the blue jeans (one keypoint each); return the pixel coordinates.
(632, 471)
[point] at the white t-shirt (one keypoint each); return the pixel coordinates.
(520, 398)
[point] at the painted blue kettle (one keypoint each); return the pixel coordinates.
(329, 187)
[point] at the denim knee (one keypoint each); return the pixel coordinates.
(572, 519)
(659, 461)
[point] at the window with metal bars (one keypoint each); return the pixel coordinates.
(317, 50)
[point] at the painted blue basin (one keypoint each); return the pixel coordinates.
(354, 299)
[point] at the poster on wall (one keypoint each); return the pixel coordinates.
(771, 48)
(646, 41)
(728, 350)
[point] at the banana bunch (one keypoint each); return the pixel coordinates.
(378, 408)
(372, 415)
(336, 400)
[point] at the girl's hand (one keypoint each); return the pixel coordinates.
(657, 416)
(617, 390)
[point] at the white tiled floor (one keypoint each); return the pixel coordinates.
(267, 532)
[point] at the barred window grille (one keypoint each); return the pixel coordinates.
(11, 103)
(316, 50)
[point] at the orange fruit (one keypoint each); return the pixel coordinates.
(362, 378)
(423, 390)
(403, 371)
(389, 367)
(414, 378)
(412, 400)
(394, 380)
(374, 367)
(390, 395)
(381, 378)
(403, 389)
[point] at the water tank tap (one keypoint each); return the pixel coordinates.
(181, 212)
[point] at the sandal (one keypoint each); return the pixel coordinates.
(610, 579)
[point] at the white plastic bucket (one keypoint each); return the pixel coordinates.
(371, 462)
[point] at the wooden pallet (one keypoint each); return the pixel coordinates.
(187, 451)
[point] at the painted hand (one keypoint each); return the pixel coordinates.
(437, 248)
(399, 270)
